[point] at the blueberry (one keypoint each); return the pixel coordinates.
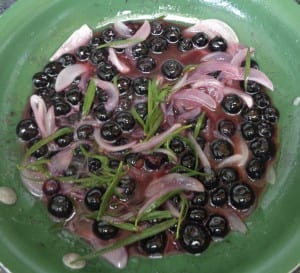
(146, 64)
(94, 165)
(40, 152)
(200, 39)
(67, 59)
(271, 115)
(41, 80)
(210, 180)
(265, 129)
(242, 196)
(124, 85)
(171, 69)
(185, 44)
(106, 71)
(98, 56)
(101, 113)
(83, 53)
(252, 87)
(77, 153)
(177, 145)
(104, 230)
(140, 49)
(219, 196)
(252, 114)
(45, 93)
(154, 244)
(71, 170)
(232, 104)
(228, 176)
(93, 198)
(111, 131)
(127, 184)
(114, 163)
(85, 131)
(74, 96)
(155, 160)
(50, 187)
(226, 128)
(221, 149)
(196, 214)
(125, 120)
(261, 100)
(101, 95)
(64, 140)
(249, 131)
(58, 97)
(158, 45)
(262, 148)
(52, 69)
(27, 129)
(217, 226)
(217, 44)
(96, 41)
(142, 110)
(140, 86)
(108, 35)
(193, 237)
(255, 168)
(124, 104)
(60, 206)
(199, 199)
(156, 28)
(132, 159)
(188, 160)
(172, 34)
(61, 108)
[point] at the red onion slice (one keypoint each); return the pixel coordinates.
(122, 29)
(44, 119)
(213, 27)
(112, 92)
(203, 158)
(236, 223)
(244, 96)
(113, 58)
(154, 141)
(60, 161)
(259, 77)
(108, 147)
(78, 38)
(189, 115)
(33, 181)
(239, 57)
(217, 56)
(68, 74)
(142, 34)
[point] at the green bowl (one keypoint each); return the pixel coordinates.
(31, 31)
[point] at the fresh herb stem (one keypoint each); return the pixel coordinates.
(158, 214)
(135, 237)
(138, 118)
(247, 68)
(46, 140)
(199, 125)
(118, 43)
(89, 98)
(182, 214)
(187, 171)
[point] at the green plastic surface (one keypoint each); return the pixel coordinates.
(32, 30)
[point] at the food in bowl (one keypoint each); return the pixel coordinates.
(149, 138)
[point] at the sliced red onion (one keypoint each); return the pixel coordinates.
(271, 175)
(217, 56)
(259, 77)
(239, 57)
(33, 181)
(112, 92)
(155, 141)
(213, 27)
(208, 82)
(113, 58)
(170, 207)
(78, 38)
(171, 182)
(190, 98)
(180, 84)
(169, 153)
(236, 223)
(170, 118)
(203, 158)
(244, 96)
(142, 34)
(108, 147)
(239, 159)
(44, 119)
(60, 161)
(122, 29)
(189, 115)
(68, 74)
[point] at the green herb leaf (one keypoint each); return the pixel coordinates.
(182, 214)
(158, 214)
(199, 125)
(118, 43)
(46, 140)
(125, 226)
(89, 98)
(247, 68)
(137, 117)
(135, 237)
(187, 171)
